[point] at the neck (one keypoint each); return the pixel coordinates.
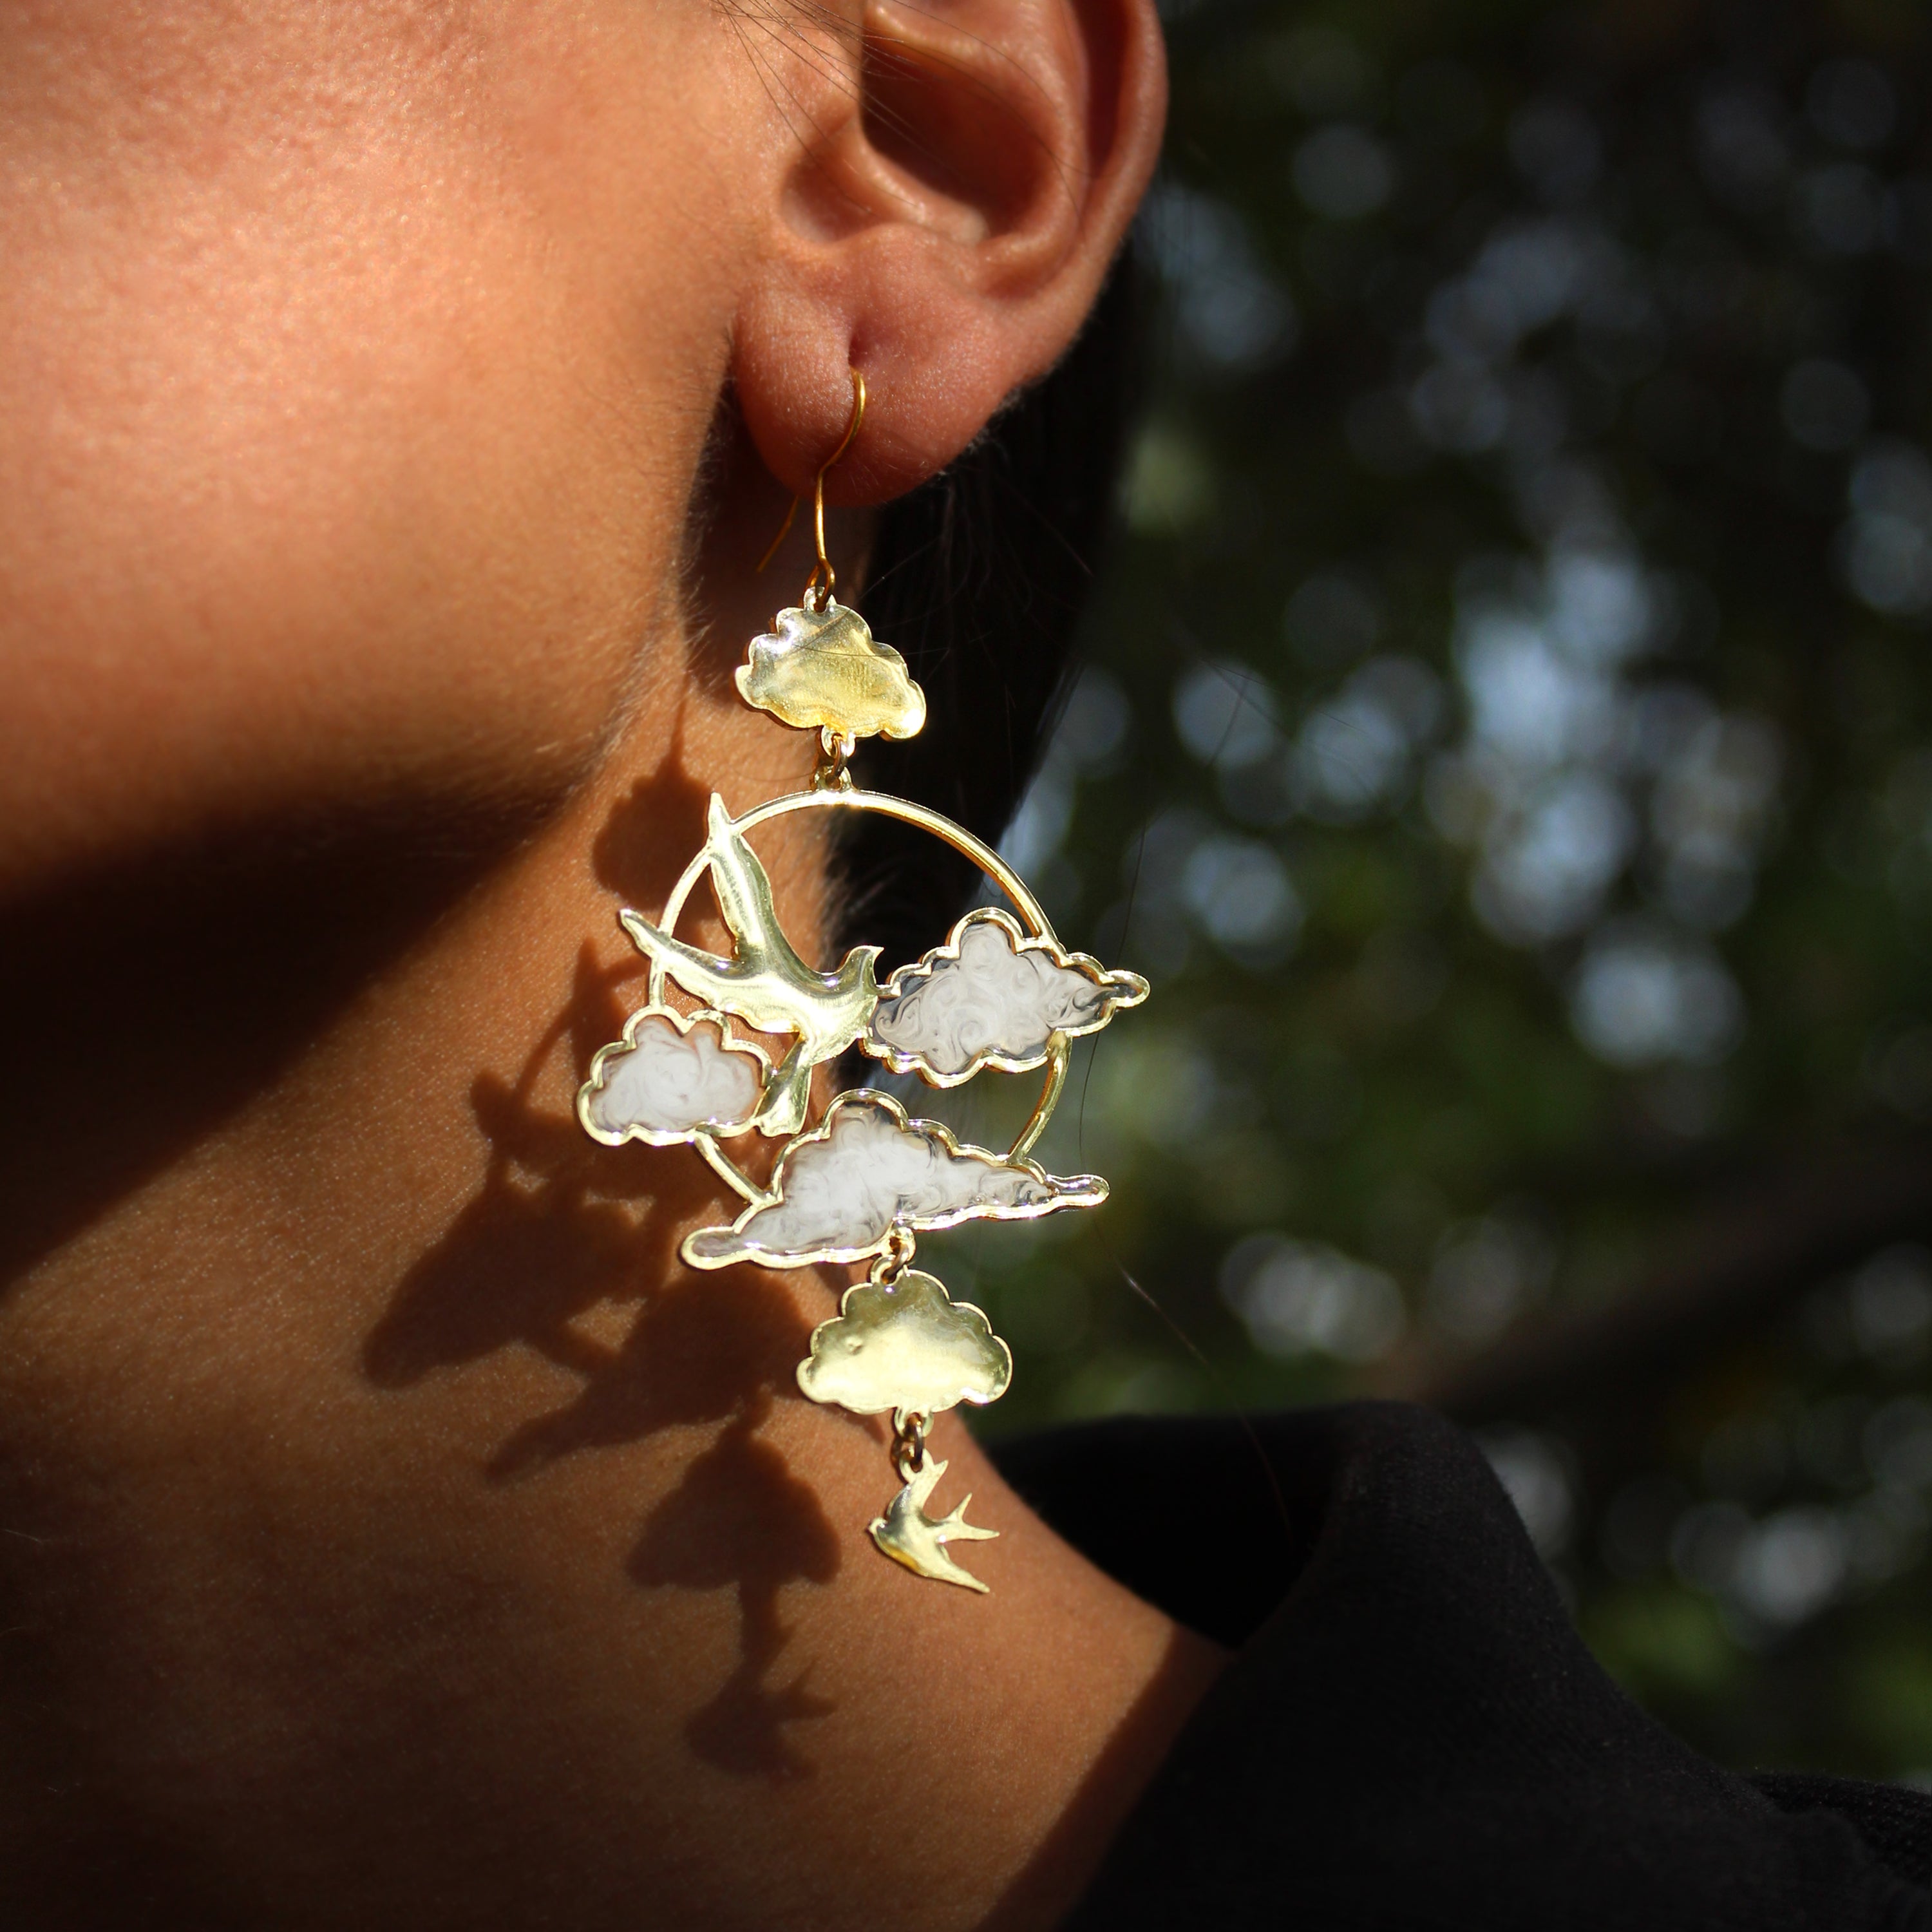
(386, 1504)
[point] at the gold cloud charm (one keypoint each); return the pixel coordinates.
(906, 1345)
(824, 671)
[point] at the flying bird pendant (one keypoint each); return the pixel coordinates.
(908, 1535)
(765, 983)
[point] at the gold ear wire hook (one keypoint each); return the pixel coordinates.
(823, 568)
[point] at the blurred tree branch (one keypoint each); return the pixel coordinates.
(1601, 1370)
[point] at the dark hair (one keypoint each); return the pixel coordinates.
(980, 576)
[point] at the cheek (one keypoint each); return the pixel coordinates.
(340, 472)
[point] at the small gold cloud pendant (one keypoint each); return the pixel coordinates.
(823, 671)
(901, 1342)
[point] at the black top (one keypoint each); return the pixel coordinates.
(1413, 1735)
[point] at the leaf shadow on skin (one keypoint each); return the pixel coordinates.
(741, 1518)
(561, 1226)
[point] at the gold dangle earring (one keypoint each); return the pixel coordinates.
(864, 1181)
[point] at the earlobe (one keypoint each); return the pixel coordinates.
(966, 173)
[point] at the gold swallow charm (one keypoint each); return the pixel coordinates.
(908, 1535)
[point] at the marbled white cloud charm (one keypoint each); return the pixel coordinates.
(840, 1193)
(992, 996)
(670, 1078)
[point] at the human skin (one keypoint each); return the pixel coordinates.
(391, 1533)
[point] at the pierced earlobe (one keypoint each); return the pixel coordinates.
(946, 219)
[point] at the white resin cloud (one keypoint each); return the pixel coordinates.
(990, 997)
(669, 1077)
(841, 1189)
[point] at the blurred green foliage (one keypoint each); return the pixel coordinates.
(1507, 748)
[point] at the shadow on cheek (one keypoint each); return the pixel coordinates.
(149, 1002)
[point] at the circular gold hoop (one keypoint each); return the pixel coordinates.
(976, 850)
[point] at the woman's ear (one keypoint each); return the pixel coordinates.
(950, 182)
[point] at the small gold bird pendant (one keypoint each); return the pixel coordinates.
(909, 1535)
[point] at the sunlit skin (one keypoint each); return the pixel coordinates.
(391, 1533)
